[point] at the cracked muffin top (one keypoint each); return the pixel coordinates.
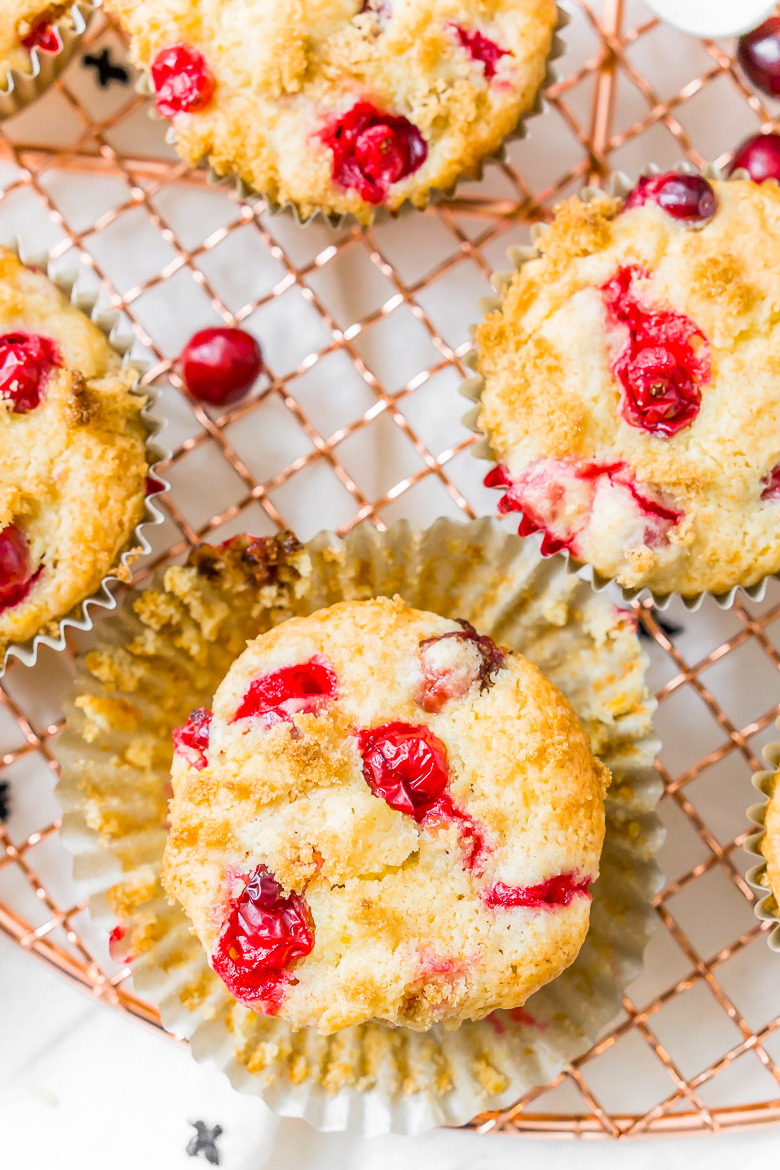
(72, 454)
(631, 393)
(385, 817)
(342, 105)
(26, 25)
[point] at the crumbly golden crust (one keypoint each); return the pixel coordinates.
(550, 393)
(282, 70)
(402, 930)
(17, 20)
(72, 470)
(770, 844)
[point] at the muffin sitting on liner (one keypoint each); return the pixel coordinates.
(631, 385)
(26, 25)
(342, 105)
(72, 454)
(386, 817)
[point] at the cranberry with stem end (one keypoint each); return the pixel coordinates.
(219, 366)
(43, 36)
(689, 198)
(16, 575)
(26, 360)
(759, 156)
(758, 52)
(306, 688)
(439, 686)
(264, 934)
(182, 80)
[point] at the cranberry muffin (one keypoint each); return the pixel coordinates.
(26, 25)
(72, 454)
(342, 105)
(770, 845)
(631, 397)
(386, 817)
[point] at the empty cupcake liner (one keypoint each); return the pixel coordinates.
(115, 754)
(472, 389)
(22, 88)
(80, 617)
(766, 908)
(245, 192)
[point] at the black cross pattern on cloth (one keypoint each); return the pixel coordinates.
(105, 69)
(5, 801)
(204, 1141)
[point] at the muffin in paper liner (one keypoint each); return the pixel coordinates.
(22, 88)
(244, 191)
(165, 653)
(80, 616)
(766, 908)
(619, 186)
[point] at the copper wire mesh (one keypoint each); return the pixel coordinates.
(698, 1042)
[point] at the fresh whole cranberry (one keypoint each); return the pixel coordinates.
(264, 934)
(663, 364)
(43, 36)
(307, 688)
(16, 574)
(555, 891)
(372, 150)
(771, 485)
(220, 365)
(183, 82)
(26, 360)
(481, 48)
(406, 765)
(192, 740)
(689, 198)
(758, 52)
(759, 156)
(438, 686)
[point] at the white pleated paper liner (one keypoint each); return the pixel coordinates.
(472, 389)
(244, 191)
(22, 88)
(144, 678)
(80, 617)
(766, 908)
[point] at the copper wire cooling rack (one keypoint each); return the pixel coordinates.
(357, 419)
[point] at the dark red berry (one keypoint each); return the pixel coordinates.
(758, 52)
(438, 686)
(16, 574)
(405, 765)
(192, 740)
(555, 891)
(759, 156)
(689, 198)
(481, 48)
(371, 150)
(182, 80)
(663, 364)
(43, 36)
(26, 360)
(771, 484)
(307, 688)
(220, 365)
(154, 485)
(264, 934)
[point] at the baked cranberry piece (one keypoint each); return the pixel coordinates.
(406, 765)
(26, 360)
(758, 52)
(220, 365)
(263, 936)
(439, 686)
(307, 688)
(372, 150)
(771, 484)
(192, 740)
(118, 952)
(16, 574)
(43, 36)
(689, 198)
(555, 891)
(664, 362)
(182, 80)
(481, 48)
(759, 156)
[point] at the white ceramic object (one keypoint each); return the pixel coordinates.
(713, 18)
